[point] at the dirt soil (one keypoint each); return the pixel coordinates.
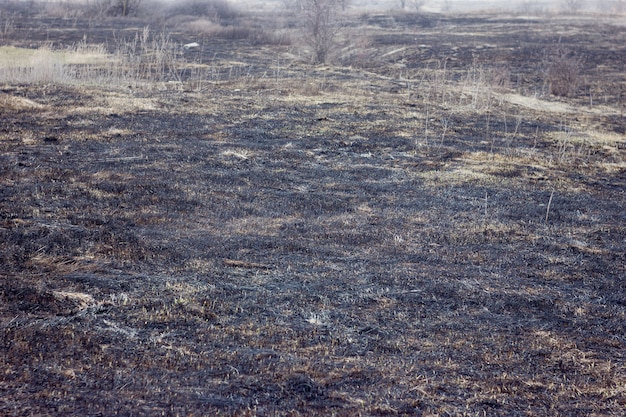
(322, 240)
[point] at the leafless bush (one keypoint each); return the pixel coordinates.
(499, 77)
(99, 8)
(320, 21)
(124, 7)
(561, 70)
(213, 9)
(7, 25)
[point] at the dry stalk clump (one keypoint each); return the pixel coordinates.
(561, 70)
(148, 57)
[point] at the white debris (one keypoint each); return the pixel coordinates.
(191, 45)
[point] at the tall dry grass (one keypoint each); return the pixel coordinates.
(146, 58)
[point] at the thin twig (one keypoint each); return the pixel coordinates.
(549, 204)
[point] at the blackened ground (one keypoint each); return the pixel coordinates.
(258, 251)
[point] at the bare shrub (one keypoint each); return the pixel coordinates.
(99, 8)
(124, 7)
(7, 25)
(499, 77)
(320, 21)
(561, 70)
(212, 9)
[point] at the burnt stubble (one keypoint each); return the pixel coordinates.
(335, 240)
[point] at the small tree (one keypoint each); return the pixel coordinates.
(320, 21)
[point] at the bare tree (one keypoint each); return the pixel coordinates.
(320, 21)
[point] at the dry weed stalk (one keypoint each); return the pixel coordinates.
(549, 205)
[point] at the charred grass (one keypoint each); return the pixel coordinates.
(326, 241)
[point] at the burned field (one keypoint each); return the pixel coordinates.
(412, 236)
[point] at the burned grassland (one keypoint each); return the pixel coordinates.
(329, 240)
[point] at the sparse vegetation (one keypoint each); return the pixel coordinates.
(147, 57)
(414, 228)
(321, 23)
(562, 71)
